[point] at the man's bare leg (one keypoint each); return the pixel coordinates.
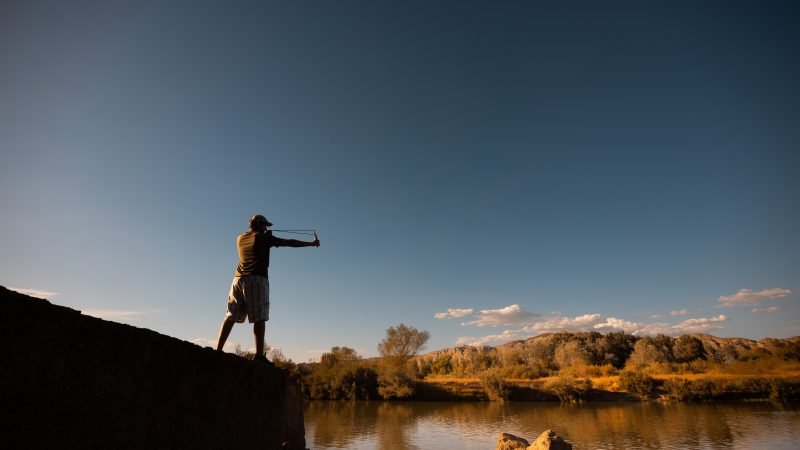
(258, 333)
(224, 332)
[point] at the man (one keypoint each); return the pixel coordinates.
(249, 296)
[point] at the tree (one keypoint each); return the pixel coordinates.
(402, 343)
(570, 354)
(688, 348)
(617, 347)
(339, 354)
(645, 353)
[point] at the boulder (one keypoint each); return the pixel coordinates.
(507, 441)
(73, 381)
(549, 440)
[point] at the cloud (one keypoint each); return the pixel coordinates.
(768, 310)
(38, 293)
(492, 339)
(596, 322)
(751, 297)
(656, 316)
(612, 324)
(700, 325)
(679, 312)
(559, 323)
(453, 313)
(510, 315)
(652, 329)
(118, 315)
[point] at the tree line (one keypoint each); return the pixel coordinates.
(573, 358)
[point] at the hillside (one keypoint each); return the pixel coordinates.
(74, 381)
(715, 348)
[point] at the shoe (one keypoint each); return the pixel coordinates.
(263, 359)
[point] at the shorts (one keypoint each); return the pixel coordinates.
(249, 297)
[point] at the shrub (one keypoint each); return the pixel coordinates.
(395, 383)
(645, 353)
(495, 386)
(570, 388)
(688, 348)
(678, 389)
(700, 389)
(570, 354)
(340, 375)
(343, 382)
(637, 383)
(784, 389)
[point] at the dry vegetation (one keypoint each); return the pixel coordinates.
(579, 366)
(571, 367)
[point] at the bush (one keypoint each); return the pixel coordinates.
(570, 354)
(700, 389)
(784, 389)
(395, 384)
(678, 389)
(495, 386)
(343, 382)
(688, 348)
(570, 388)
(637, 383)
(645, 353)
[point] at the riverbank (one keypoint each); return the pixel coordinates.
(688, 387)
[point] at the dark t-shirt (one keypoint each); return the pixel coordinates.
(254, 252)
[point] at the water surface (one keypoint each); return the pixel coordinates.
(651, 425)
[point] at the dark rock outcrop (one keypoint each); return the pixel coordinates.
(73, 381)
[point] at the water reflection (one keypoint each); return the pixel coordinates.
(655, 425)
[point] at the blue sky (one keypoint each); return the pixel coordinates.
(528, 167)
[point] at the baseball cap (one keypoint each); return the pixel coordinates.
(258, 218)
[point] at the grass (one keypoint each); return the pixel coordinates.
(738, 380)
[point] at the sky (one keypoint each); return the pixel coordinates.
(486, 171)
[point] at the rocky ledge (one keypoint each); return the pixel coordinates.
(548, 440)
(74, 381)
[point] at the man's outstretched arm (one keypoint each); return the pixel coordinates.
(295, 243)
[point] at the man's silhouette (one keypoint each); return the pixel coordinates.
(249, 296)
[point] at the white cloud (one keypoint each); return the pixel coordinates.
(510, 315)
(118, 315)
(586, 322)
(652, 329)
(768, 310)
(560, 323)
(700, 325)
(110, 314)
(679, 312)
(612, 324)
(453, 313)
(34, 292)
(492, 339)
(656, 316)
(751, 297)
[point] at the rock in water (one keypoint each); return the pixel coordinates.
(507, 441)
(549, 440)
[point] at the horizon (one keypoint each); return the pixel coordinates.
(483, 172)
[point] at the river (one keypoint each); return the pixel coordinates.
(648, 425)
